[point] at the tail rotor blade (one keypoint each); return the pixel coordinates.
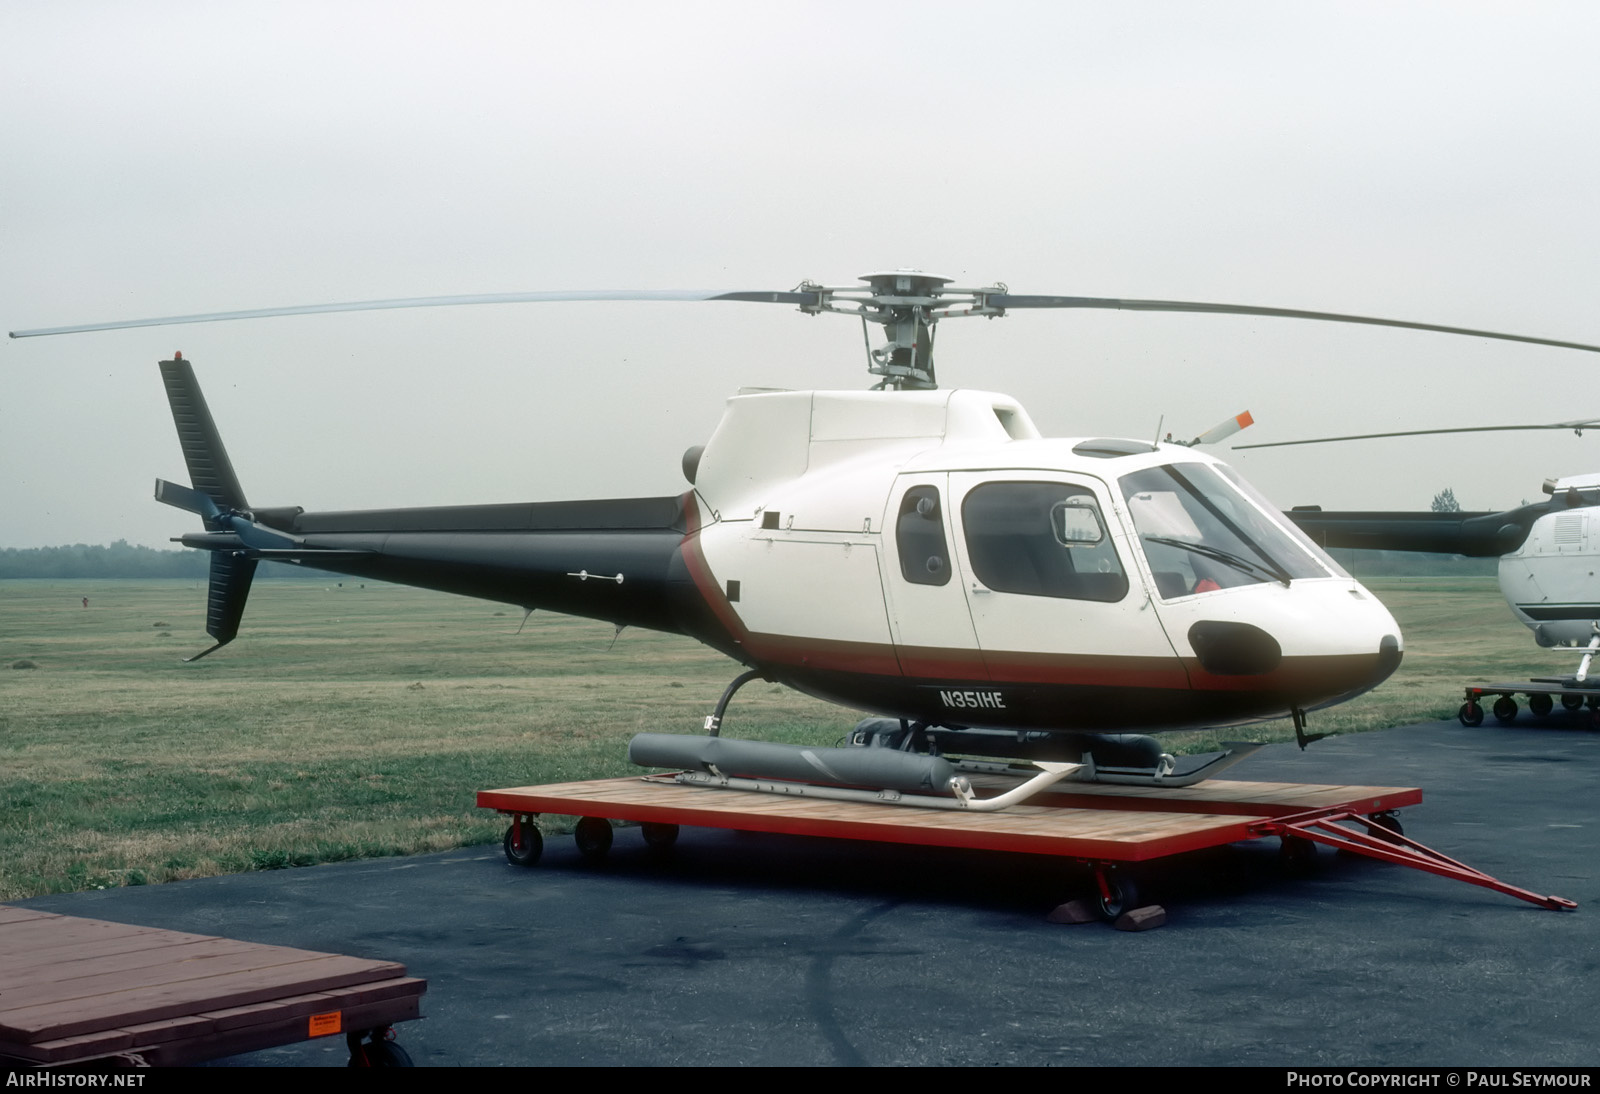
(182, 497)
(1224, 429)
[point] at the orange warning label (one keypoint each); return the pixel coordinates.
(324, 1024)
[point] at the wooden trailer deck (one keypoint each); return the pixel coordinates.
(1104, 825)
(1080, 820)
(78, 990)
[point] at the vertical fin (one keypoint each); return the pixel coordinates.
(211, 475)
(210, 471)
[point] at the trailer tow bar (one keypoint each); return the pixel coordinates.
(1381, 842)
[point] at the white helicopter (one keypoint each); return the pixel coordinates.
(917, 553)
(1549, 555)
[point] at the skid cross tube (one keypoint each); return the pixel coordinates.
(1324, 826)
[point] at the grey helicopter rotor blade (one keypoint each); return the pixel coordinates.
(1006, 301)
(760, 297)
(1576, 427)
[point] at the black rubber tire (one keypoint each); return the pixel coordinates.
(1124, 896)
(593, 836)
(1470, 714)
(1505, 710)
(1540, 704)
(659, 837)
(381, 1054)
(1570, 701)
(1297, 856)
(1389, 823)
(531, 848)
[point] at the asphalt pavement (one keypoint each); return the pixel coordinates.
(746, 949)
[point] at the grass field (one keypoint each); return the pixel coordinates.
(351, 721)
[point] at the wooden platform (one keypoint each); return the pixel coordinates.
(1086, 821)
(78, 989)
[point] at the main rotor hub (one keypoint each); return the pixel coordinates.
(907, 304)
(906, 283)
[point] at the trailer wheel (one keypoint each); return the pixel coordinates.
(1505, 710)
(1541, 704)
(1297, 856)
(1389, 823)
(379, 1050)
(659, 837)
(1121, 895)
(381, 1054)
(525, 852)
(1570, 701)
(1470, 714)
(593, 835)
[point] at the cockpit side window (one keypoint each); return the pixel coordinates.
(919, 537)
(1042, 539)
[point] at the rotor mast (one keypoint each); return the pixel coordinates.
(907, 304)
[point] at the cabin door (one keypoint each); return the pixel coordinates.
(933, 632)
(1050, 580)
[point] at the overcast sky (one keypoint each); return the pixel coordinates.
(1436, 162)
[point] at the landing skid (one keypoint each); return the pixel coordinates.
(1173, 771)
(963, 798)
(1125, 759)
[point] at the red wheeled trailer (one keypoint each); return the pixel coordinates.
(1543, 695)
(85, 994)
(1105, 827)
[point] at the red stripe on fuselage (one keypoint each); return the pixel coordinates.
(694, 561)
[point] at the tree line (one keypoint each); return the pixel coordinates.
(119, 560)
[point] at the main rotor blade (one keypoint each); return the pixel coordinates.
(1007, 301)
(1576, 427)
(759, 297)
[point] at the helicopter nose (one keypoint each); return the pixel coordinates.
(1344, 678)
(1365, 652)
(1314, 646)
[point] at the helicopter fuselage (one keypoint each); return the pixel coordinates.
(1549, 579)
(921, 555)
